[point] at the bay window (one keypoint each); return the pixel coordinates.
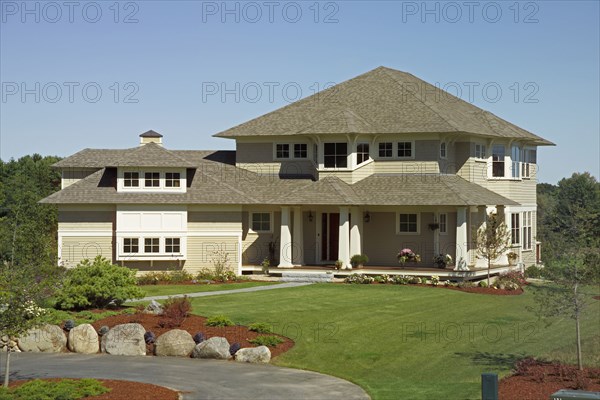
(362, 153)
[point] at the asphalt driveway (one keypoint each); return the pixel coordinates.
(198, 379)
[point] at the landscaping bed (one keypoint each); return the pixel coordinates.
(121, 390)
(194, 324)
(538, 380)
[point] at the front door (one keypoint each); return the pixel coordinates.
(330, 223)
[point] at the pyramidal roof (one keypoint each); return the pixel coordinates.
(380, 101)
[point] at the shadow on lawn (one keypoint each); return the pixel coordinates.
(498, 360)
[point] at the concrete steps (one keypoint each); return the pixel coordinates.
(306, 277)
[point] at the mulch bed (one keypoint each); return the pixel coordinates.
(124, 390)
(194, 324)
(542, 379)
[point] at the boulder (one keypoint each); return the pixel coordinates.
(215, 347)
(176, 343)
(260, 354)
(154, 308)
(125, 340)
(83, 339)
(45, 339)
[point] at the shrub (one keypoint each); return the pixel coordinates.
(435, 280)
(359, 279)
(400, 280)
(265, 265)
(199, 337)
(205, 275)
(524, 365)
(359, 259)
(533, 271)
(223, 272)
(267, 340)
(219, 320)
(414, 280)
(466, 284)
(176, 310)
(424, 280)
(482, 284)
(65, 389)
(180, 276)
(511, 280)
(234, 348)
(260, 327)
(96, 285)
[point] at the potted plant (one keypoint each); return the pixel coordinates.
(339, 264)
(442, 260)
(358, 260)
(406, 255)
(512, 258)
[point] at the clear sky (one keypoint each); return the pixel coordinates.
(97, 74)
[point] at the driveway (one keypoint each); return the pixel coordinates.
(198, 379)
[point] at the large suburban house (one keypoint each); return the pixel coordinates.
(381, 162)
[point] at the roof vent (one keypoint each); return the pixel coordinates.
(151, 137)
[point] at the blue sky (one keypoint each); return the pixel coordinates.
(97, 74)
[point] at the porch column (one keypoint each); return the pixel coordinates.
(481, 219)
(285, 237)
(298, 238)
(436, 234)
(344, 236)
(461, 263)
(355, 231)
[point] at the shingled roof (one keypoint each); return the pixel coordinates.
(380, 101)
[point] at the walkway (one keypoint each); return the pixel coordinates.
(234, 291)
(196, 378)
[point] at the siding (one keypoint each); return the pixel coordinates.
(75, 249)
(448, 241)
(254, 152)
(86, 220)
(202, 252)
(255, 246)
(406, 167)
(214, 221)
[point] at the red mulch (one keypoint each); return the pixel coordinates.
(194, 324)
(125, 390)
(542, 379)
(597, 297)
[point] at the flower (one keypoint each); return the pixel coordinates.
(408, 255)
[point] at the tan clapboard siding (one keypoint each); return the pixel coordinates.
(280, 168)
(202, 252)
(381, 243)
(255, 246)
(254, 152)
(214, 221)
(75, 249)
(406, 167)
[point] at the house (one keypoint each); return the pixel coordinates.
(378, 163)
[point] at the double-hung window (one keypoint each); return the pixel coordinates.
(443, 223)
(527, 235)
(386, 150)
(480, 151)
(405, 149)
(362, 153)
(336, 155)
(515, 158)
(498, 153)
(443, 150)
(408, 223)
(515, 228)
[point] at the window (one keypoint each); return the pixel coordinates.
(336, 155)
(362, 153)
(131, 245)
(261, 222)
(152, 179)
(498, 161)
(515, 158)
(316, 154)
(172, 245)
(300, 150)
(408, 223)
(282, 151)
(151, 245)
(404, 149)
(529, 157)
(443, 150)
(131, 179)
(480, 151)
(385, 150)
(527, 222)
(515, 228)
(443, 223)
(172, 179)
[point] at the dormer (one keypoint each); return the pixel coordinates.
(151, 137)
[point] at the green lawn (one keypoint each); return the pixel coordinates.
(406, 342)
(167, 290)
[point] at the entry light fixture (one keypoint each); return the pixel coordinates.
(310, 216)
(367, 217)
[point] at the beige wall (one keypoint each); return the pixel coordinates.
(213, 221)
(74, 249)
(255, 246)
(202, 252)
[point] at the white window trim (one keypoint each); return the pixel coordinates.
(142, 255)
(290, 151)
(369, 154)
(271, 221)
(349, 156)
(485, 157)
(524, 225)
(385, 158)
(519, 242)
(309, 151)
(440, 223)
(418, 232)
(445, 156)
(162, 187)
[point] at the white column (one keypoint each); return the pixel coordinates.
(461, 261)
(355, 231)
(297, 238)
(481, 218)
(344, 238)
(436, 234)
(285, 240)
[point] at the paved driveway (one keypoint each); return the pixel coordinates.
(199, 379)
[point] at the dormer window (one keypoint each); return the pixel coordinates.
(336, 155)
(282, 150)
(385, 150)
(300, 150)
(404, 149)
(173, 179)
(131, 179)
(152, 179)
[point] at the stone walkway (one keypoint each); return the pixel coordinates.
(234, 291)
(196, 378)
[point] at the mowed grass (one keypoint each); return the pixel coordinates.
(404, 342)
(169, 290)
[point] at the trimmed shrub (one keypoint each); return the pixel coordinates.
(219, 320)
(423, 280)
(359, 259)
(267, 340)
(65, 389)
(400, 280)
(260, 327)
(96, 285)
(533, 271)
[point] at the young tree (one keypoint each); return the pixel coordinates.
(493, 239)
